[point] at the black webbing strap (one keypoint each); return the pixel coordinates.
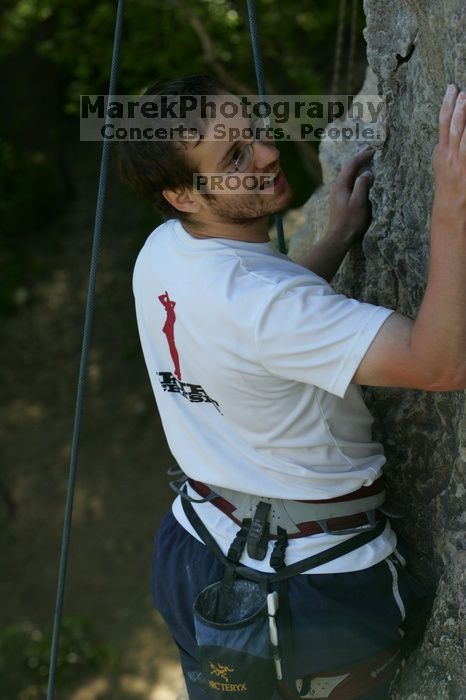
(277, 560)
(292, 569)
(239, 543)
(329, 554)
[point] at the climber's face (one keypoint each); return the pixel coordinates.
(237, 176)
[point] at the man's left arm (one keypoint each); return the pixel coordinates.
(350, 217)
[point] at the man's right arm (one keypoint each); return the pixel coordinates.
(430, 352)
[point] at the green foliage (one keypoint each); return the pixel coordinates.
(29, 196)
(175, 37)
(24, 658)
(28, 188)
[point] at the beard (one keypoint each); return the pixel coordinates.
(244, 208)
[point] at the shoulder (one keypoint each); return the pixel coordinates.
(276, 272)
(155, 255)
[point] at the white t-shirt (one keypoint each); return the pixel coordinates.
(250, 357)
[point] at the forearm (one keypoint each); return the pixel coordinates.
(349, 217)
(326, 256)
(439, 333)
(430, 353)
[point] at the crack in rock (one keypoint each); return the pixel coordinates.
(404, 59)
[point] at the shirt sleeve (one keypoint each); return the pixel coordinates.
(307, 332)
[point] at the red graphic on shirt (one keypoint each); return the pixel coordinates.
(169, 330)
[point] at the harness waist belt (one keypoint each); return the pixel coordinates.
(337, 516)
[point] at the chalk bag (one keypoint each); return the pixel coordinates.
(232, 632)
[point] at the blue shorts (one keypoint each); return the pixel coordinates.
(339, 621)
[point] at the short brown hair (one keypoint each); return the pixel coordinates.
(149, 167)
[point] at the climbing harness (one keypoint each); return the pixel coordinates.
(245, 647)
(343, 515)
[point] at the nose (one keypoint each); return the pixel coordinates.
(265, 153)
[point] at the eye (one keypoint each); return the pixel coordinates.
(234, 157)
(236, 154)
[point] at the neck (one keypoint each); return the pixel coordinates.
(251, 231)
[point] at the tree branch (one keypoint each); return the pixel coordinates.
(211, 58)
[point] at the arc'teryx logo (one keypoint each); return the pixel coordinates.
(171, 382)
(223, 672)
(220, 670)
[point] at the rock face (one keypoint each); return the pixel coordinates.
(414, 48)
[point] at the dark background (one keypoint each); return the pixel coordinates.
(113, 647)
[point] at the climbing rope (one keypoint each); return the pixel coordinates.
(83, 364)
(339, 48)
(352, 48)
(339, 41)
(261, 91)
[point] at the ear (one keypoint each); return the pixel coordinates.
(183, 199)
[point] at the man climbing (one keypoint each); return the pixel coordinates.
(257, 388)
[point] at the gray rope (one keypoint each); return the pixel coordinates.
(352, 48)
(339, 48)
(256, 51)
(83, 365)
(261, 91)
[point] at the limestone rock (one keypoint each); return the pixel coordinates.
(414, 48)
